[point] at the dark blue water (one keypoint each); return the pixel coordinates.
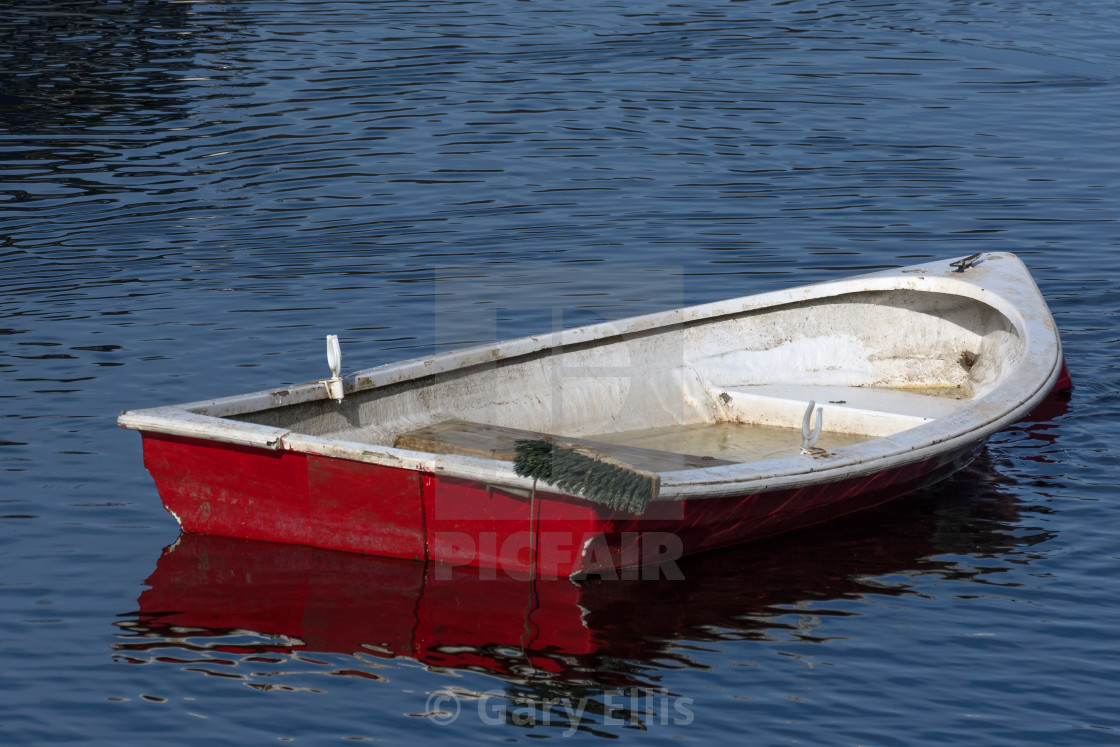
(193, 193)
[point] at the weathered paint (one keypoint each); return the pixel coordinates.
(242, 491)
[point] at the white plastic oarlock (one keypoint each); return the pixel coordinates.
(810, 435)
(334, 360)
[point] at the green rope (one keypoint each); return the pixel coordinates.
(589, 476)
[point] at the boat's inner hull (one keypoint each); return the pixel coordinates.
(879, 362)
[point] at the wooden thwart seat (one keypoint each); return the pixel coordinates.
(498, 442)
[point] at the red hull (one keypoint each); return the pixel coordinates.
(240, 491)
(237, 491)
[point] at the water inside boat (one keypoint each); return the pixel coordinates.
(733, 442)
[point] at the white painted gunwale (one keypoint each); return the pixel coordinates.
(999, 280)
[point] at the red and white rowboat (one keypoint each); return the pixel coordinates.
(906, 373)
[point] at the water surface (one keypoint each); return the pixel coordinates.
(192, 194)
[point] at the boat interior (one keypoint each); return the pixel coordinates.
(702, 390)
